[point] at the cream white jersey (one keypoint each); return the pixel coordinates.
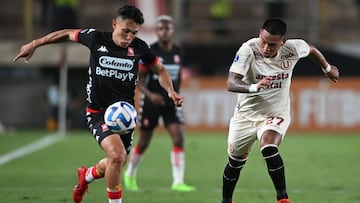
(274, 99)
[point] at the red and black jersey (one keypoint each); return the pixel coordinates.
(173, 61)
(113, 70)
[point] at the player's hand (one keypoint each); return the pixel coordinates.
(264, 82)
(156, 99)
(26, 51)
(178, 99)
(333, 74)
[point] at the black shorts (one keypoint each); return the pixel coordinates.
(150, 114)
(99, 130)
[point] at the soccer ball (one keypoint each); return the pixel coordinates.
(121, 117)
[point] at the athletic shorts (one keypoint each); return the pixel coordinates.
(99, 130)
(150, 114)
(243, 133)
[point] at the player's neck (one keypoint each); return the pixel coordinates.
(167, 46)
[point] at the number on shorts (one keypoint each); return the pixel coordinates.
(274, 120)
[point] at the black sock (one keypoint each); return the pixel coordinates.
(230, 178)
(276, 169)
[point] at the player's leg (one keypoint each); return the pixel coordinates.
(241, 137)
(177, 158)
(148, 119)
(88, 175)
(116, 157)
(135, 159)
(271, 135)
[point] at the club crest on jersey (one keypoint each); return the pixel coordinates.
(176, 58)
(104, 128)
(130, 51)
(285, 65)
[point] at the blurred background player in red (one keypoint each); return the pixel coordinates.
(155, 104)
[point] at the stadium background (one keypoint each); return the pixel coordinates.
(332, 25)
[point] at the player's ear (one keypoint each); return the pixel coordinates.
(113, 23)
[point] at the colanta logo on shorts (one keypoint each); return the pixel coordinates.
(116, 63)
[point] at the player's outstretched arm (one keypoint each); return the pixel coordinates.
(166, 82)
(236, 84)
(331, 71)
(27, 50)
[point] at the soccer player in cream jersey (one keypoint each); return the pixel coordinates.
(261, 75)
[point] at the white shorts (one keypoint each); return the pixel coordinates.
(243, 133)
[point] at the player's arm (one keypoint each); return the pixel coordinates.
(154, 97)
(236, 84)
(331, 71)
(28, 49)
(166, 82)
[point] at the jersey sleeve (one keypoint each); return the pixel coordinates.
(142, 66)
(302, 47)
(87, 37)
(148, 57)
(242, 60)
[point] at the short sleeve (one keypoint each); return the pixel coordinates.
(242, 60)
(87, 37)
(148, 57)
(302, 47)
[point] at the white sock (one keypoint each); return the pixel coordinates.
(89, 176)
(178, 165)
(114, 200)
(135, 159)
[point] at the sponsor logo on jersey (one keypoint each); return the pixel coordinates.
(112, 73)
(103, 49)
(288, 55)
(87, 31)
(116, 63)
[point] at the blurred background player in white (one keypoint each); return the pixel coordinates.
(155, 104)
(261, 73)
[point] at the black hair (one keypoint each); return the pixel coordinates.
(130, 12)
(275, 26)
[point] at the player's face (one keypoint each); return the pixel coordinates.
(164, 31)
(270, 44)
(125, 31)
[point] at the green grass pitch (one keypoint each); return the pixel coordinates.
(322, 168)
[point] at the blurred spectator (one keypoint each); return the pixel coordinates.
(220, 11)
(65, 14)
(53, 98)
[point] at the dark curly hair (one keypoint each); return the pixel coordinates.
(275, 26)
(130, 12)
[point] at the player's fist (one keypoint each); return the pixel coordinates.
(333, 74)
